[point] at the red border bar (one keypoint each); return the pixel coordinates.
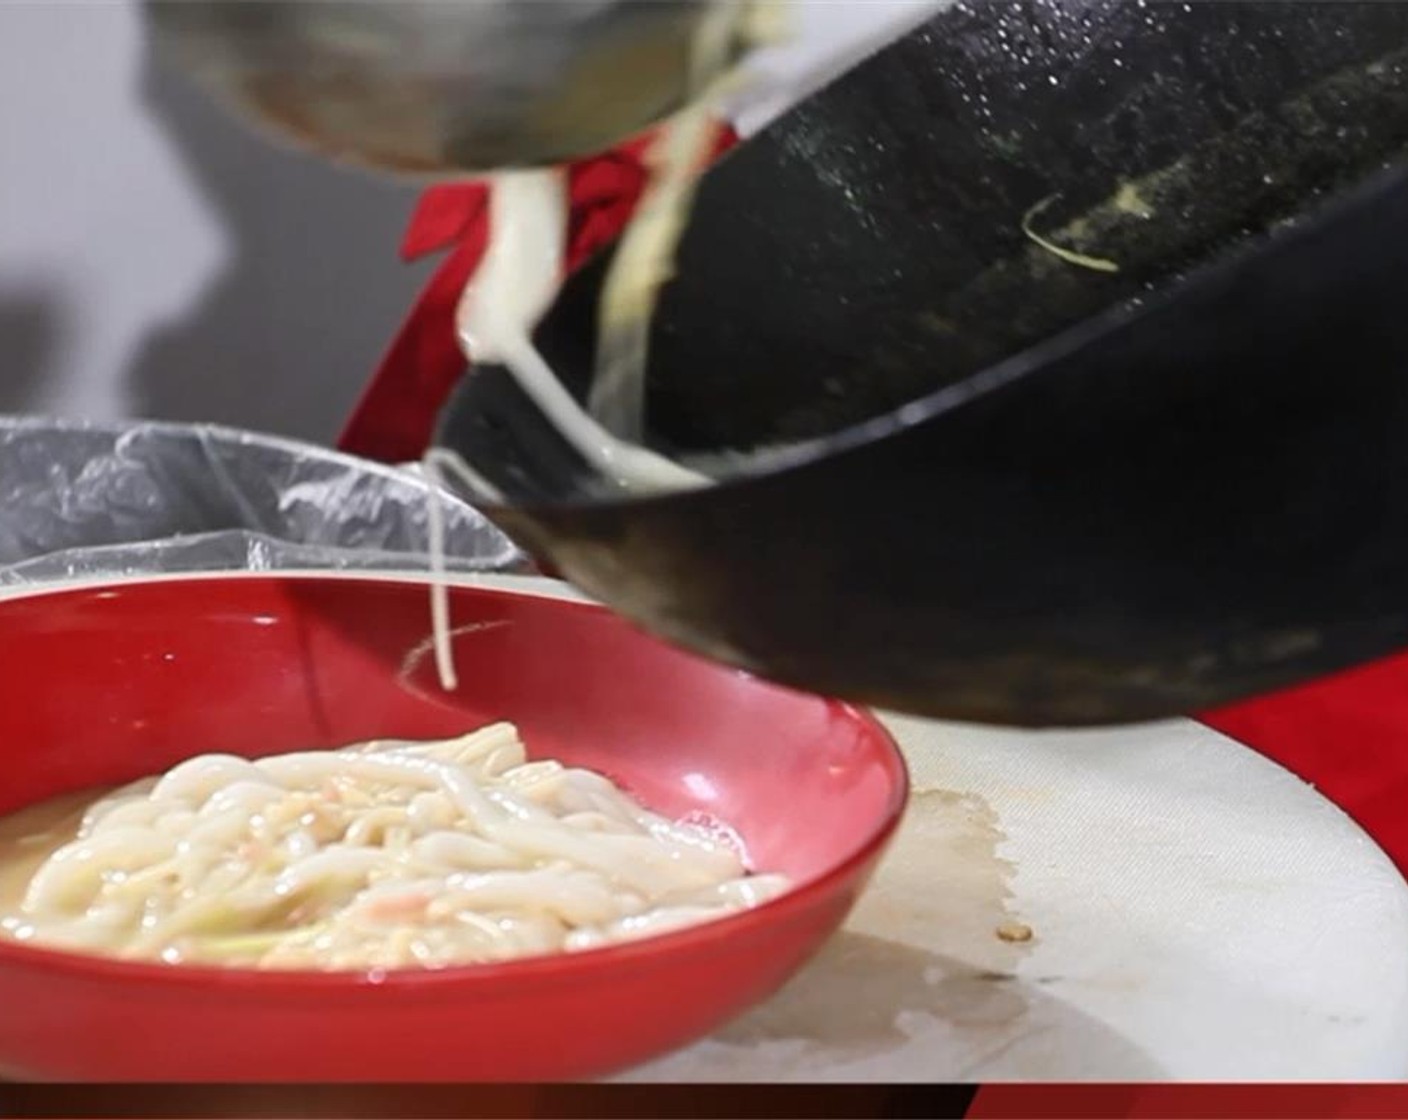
(1189, 1102)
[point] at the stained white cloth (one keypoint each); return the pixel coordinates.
(1197, 913)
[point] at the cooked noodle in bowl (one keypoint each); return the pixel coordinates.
(387, 854)
(330, 867)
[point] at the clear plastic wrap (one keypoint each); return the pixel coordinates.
(81, 500)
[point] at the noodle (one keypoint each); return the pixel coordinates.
(437, 460)
(521, 271)
(516, 280)
(645, 257)
(384, 855)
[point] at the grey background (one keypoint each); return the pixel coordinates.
(157, 260)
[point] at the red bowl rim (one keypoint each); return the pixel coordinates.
(551, 967)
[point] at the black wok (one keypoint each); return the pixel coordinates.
(1025, 487)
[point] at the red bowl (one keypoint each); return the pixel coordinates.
(102, 686)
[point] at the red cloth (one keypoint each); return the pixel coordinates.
(1348, 736)
(395, 417)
